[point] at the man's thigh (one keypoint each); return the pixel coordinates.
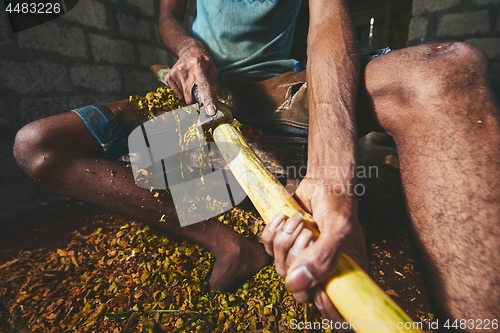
(278, 103)
(281, 102)
(128, 114)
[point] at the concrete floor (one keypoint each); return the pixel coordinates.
(382, 213)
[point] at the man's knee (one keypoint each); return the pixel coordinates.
(28, 147)
(43, 146)
(419, 78)
(450, 69)
(428, 70)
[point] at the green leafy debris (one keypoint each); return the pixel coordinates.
(126, 277)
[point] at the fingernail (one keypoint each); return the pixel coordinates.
(320, 308)
(292, 223)
(275, 222)
(211, 110)
(300, 279)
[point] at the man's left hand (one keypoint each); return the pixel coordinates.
(306, 263)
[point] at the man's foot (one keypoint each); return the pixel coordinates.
(236, 262)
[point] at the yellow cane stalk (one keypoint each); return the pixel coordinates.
(355, 295)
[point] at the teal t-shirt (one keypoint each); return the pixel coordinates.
(248, 36)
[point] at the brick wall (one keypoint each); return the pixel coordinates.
(473, 21)
(99, 51)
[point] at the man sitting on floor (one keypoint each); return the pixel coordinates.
(434, 100)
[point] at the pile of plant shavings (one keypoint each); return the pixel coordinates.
(125, 277)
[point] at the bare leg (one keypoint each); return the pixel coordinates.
(62, 155)
(435, 101)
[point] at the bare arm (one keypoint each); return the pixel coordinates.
(327, 190)
(172, 32)
(333, 70)
(194, 65)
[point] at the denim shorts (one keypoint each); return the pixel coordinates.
(104, 126)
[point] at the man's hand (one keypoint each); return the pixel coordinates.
(306, 264)
(194, 67)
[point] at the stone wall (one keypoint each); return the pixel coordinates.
(474, 21)
(99, 51)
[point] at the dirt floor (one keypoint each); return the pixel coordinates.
(393, 259)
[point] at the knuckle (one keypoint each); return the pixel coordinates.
(203, 85)
(178, 67)
(194, 62)
(208, 100)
